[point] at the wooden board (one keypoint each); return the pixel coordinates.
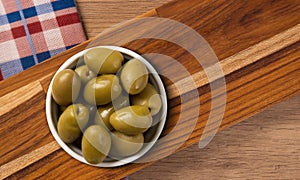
(254, 61)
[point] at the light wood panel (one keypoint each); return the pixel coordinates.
(98, 15)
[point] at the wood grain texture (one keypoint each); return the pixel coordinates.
(230, 23)
(251, 88)
(266, 146)
(98, 15)
(21, 95)
(241, 59)
(35, 155)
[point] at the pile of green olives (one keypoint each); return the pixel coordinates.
(106, 104)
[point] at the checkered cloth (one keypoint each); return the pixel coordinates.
(32, 31)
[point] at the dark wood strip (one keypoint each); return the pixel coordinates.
(231, 26)
(25, 122)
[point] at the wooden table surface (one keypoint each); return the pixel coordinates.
(266, 146)
(257, 45)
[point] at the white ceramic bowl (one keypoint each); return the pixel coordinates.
(52, 111)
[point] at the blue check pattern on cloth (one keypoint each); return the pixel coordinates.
(32, 31)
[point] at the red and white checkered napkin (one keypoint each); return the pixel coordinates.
(32, 31)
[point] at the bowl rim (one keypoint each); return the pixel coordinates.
(145, 148)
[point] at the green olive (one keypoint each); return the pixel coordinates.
(131, 120)
(85, 73)
(91, 107)
(66, 87)
(121, 101)
(102, 117)
(71, 121)
(134, 76)
(102, 90)
(103, 60)
(96, 143)
(80, 61)
(124, 145)
(148, 97)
